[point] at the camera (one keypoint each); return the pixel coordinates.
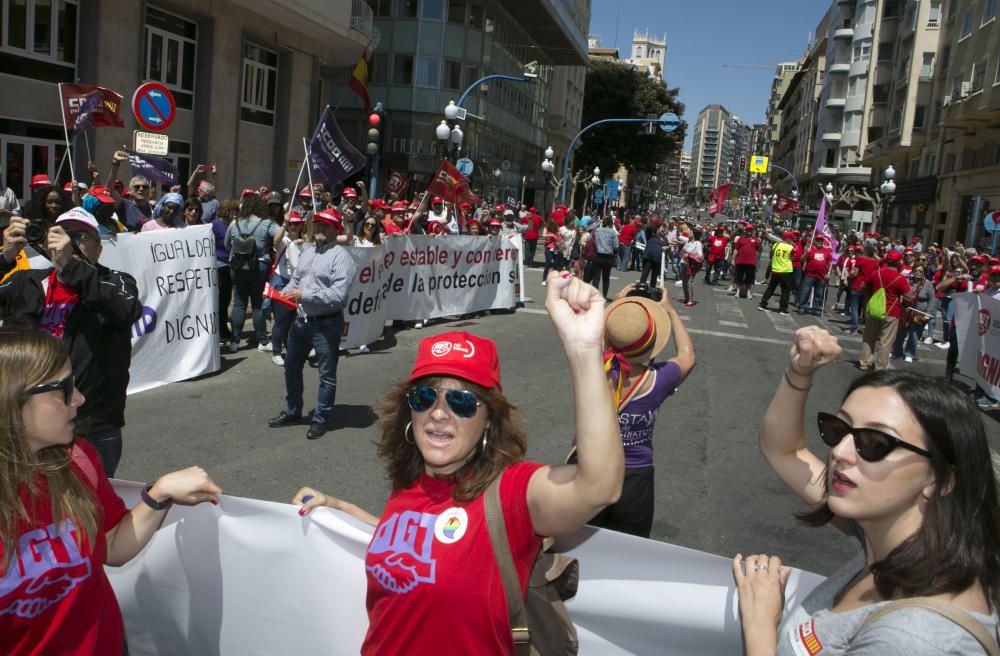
(645, 291)
(35, 233)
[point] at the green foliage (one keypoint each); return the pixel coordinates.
(615, 90)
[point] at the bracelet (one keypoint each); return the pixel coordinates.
(793, 386)
(153, 503)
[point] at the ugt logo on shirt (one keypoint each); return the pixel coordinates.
(47, 567)
(401, 551)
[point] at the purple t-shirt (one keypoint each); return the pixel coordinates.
(637, 420)
(219, 229)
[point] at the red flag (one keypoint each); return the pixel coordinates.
(785, 204)
(397, 183)
(359, 81)
(718, 199)
(102, 115)
(449, 184)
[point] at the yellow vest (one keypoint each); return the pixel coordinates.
(781, 258)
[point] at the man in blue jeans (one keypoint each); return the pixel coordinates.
(319, 286)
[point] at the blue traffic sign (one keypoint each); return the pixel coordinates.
(669, 122)
(465, 166)
(153, 106)
(611, 191)
(598, 196)
(992, 222)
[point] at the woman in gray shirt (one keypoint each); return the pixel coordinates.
(909, 474)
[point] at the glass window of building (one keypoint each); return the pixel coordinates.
(934, 14)
(989, 11)
(428, 72)
(927, 66)
(39, 39)
(402, 69)
(978, 77)
(456, 12)
(452, 75)
(381, 8)
(406, 8)
(260, 83)
(378, 70)
(477, 15)
(433, 10)
(967, 23)
(171, 44)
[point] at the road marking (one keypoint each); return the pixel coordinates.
(533, 311)
(782, 323)
(733, 324)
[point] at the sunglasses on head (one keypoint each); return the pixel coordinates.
(67, 385)
(423, 397)
(871, 444)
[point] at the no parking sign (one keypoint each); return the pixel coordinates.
(154, 106)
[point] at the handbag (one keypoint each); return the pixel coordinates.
(540, 624)
(946, 610)
(590, 250)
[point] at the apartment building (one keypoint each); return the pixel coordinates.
(783, 75)
(249, 78)
(712, 150)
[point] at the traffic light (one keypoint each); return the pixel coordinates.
(743, 163)
(376, 127)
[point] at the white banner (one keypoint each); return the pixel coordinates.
(419, 277)
(977, 319)
(252, 577)
(177, 336)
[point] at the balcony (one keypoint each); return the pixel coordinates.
(831, 136)
(826, 171)
(841, 67)
(836, 103)
(844, 33)
(347, 26)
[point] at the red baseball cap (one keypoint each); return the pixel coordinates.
(399, 206)
(349, 193)
(894, 256)
(330, 217)
(101, 193)
(39, 180)
(461, 355)
(248, 192)
(494, 221)
(295, 216)
(306, 191)
(995, 269)
(436, 200)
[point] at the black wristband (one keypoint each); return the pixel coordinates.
(153, 503)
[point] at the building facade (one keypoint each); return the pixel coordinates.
(783, 75)
(712, 150)
(649, 53)
(249, 78)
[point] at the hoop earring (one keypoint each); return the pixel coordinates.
(483, 444)
(407, 432)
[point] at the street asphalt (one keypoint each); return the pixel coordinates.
(714, 492)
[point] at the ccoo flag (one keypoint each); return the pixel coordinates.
(153, 168)
(86, 106)
(331, 155)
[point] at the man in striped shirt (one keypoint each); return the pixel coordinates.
(319, 285)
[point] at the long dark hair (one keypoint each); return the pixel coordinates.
(506, 442)
(35, 208)
(958, 541)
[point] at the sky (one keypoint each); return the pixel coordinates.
(702, 35)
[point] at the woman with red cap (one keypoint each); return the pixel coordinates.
(450, 439)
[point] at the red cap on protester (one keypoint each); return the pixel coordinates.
(894, 256)
(295, 216)
(470, 222)
(994, 269)
(788, 234)
(330, 217)
(977, 258)
(101, 193)
(499, 209)
(399, 206)
(39, 180)
(436, 200)
(248, 192)
(461, 355)
(916, 239)
(119, 185)
(495, 221)
(306, 191)
(349, 193)
(465, 206)
(531, 209)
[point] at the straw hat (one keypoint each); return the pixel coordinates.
(636, 329)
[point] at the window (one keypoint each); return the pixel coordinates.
(956, 86)
(402, 70)
(428, 72)
(471, 74)
(40, 39)
(477, 15)
(978, 77)
(934, 14)
(433, 10)
(931, 164)
(260, 84)
(831, 158)
(456, 12)
(897, 119)
(919, 115)
(989, 11)
(967, 23)
(179, 155)
(452, 75)
(996, 72)
(38, 148)
(927, 66)
(885, 51)
(381, 8)
(406, 8)
(170, 54)
(862, 52)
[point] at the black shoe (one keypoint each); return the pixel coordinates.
(763, 308)
(284, 419)
(316, 431)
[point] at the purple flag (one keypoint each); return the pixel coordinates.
(154, 168)
(331, 155)
(92, 102)
(823, 228)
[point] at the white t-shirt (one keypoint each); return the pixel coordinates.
(693, 247)
(289, 256)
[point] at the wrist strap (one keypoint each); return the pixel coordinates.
(794, 386)
(153, 503)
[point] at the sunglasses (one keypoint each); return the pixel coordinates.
(140, 186)
(423, 397)
(67, 385)
(872, 445)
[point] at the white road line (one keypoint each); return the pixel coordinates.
(783, 324)
(684, 317)
(531, 311)
(733, 324)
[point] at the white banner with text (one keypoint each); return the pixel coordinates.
(977, 319)
(251, 577)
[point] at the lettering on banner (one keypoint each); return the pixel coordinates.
(182, 248)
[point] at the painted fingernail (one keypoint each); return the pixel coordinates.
(302, 511)
(215, 502)
(307, 498)
(566, 274)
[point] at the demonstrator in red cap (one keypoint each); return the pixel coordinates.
(454, 452)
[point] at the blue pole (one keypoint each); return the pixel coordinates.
(572, 144)
(490, 77)
(795, 184)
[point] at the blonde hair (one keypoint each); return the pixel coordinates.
(29, 358)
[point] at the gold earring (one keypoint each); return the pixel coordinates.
(406, 433)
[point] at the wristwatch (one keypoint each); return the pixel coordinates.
(153, 503)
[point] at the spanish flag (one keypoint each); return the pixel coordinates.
(359, 81)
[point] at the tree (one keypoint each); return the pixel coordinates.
(616, 90)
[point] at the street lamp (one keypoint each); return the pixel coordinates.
(888, 190)
(829, 193)
(549, 153)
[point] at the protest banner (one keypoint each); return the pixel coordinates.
(419, 277)
(177, 336)
(252, 577)
(977, 319)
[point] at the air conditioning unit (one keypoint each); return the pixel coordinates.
(946, 101)
(965, 90)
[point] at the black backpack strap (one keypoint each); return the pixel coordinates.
(497, 527)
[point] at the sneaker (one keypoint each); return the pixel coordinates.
(364, 348)
(234, 347)
(908, 359)
(678, 283)
(419, 324)
(928, 340)
(749, 295)
(986, 403)
(763, 308)
(850, 331)
(942, 345)
(783, 313)
(278, 360)
(264, 347)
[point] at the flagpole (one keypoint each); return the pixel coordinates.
(61, 162)
(62, 110)
(295, 189)
(312, 192)
(86, 138)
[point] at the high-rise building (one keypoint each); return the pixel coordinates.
(783, 74)
(678, 169)
(741, 138)
(711, 150)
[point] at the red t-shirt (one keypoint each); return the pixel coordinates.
(627, 234)
(717, 248)
(60, 300)
(866, 266)
(391, 228)
(55, 597)
(895, 286)
(818, 263)
(534, 222)
(798, 250)
(746, 250)
(559, 217)
(434, 585)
